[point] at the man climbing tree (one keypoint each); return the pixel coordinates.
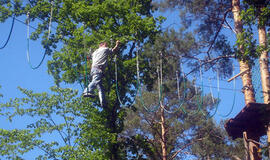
(99, 58)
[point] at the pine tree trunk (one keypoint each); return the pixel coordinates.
(163, 134)
(246, 78)
(264, 71)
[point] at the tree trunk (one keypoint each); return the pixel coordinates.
(246, 78)
(264, 70)
(163, 134)
(264, 65)
(268, 138)
(112, 126)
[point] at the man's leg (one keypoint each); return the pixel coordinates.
(101, 94)
(96, 78)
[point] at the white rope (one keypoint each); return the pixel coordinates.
(161, 75)
(178, 87)
(50, 23)
(28, 35)
(211, 91)
(137, 61)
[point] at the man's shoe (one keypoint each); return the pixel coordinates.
(88, 95)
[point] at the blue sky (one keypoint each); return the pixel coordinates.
(15, 71)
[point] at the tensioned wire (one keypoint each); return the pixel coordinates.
(160, 83)
(199, 97)
(86, 60)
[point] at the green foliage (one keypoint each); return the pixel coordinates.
(89, 22)
(189, 132)
(254, 13)
(247, 43)
(77, 26)
(204, 20)
(97, 133)
(57, 115)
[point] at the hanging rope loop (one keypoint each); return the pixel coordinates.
(116, 80)
(10, 32)
(234, 97)
(28, 44)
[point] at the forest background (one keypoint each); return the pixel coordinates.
(43, 123)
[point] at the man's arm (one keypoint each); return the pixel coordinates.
(116, 46)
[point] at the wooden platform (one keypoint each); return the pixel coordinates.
(252, 118)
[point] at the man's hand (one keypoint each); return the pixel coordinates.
(116, 46)
(117, 42)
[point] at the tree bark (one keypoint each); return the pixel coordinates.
(246, 78)
(246, 145)
(163, 134)
(264, 68)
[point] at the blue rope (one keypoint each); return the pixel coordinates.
(234, 97)
(9, 35)
(27, 52)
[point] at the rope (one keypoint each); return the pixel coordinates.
(234, 97)
(216, 106)
(160, 84)
(211, 91)
(9, 35)
(199, 101)
(116, 81)
(178, 89)
(50, 23)
(140, 91)
(178, 93)
(79, 79)
(28, 38)
(200, 105)
(27, 52)
(86, 82)
(85, 72)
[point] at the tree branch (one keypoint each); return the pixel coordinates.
(229, 26)
(219, 29)
(210, 61)
(185, 146)
(58, 129)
